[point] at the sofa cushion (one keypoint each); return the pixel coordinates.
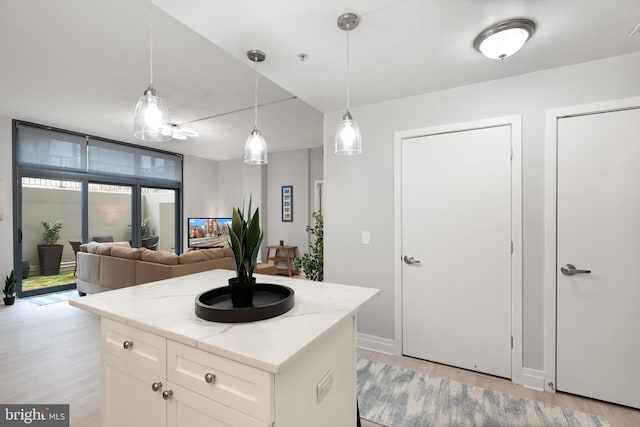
(165, 258)
(98, 248)
(122, 244)
(124, 252)
(193, 256)
(83, 247)
(213, 253)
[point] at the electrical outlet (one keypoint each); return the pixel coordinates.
(366, 238)
(324, 386)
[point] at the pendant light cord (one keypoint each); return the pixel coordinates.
(348, 78)
(150, 44)
(255, 94)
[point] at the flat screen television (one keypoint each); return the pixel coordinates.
(208, 232)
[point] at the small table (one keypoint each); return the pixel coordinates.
(282, 255)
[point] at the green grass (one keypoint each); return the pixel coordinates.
(38, 282)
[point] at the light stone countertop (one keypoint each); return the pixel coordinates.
(167, 308)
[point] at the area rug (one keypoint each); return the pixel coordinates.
(37, 281)
(52, 298)
(397, 397)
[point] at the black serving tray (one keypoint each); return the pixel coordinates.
(269, 301)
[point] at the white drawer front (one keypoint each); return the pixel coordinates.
(241, 387)
(143, 349)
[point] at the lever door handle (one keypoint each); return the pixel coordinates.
(408, 259)
(570, 270)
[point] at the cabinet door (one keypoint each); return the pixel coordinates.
(188, 409)
(127, 395)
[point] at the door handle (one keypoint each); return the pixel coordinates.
(408, 259)
(570, 270)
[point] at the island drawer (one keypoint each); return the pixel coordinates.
(138, 347)
(238, 386)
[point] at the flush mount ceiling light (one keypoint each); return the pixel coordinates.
(348, 138)
(255, 149)
(504, 38)
(151, 121)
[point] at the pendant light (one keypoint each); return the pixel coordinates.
(255, 149)
(504, 38)
(348, 138)
(151, 121)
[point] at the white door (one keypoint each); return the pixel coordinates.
(456, 220)
(598, 229)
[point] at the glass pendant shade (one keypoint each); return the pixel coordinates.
(348, 138)
(151, 120)
(255, 149)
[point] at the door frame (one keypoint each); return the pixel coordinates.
(550, 220)
(515, 122)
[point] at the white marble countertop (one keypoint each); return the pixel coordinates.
(167, 308)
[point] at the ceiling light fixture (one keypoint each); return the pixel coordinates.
(151, 121)
(177, 132)
(504, 38)
(255, 150)
(348, 138)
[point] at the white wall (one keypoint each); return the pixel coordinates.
(6, 198)
(315, 174)
(359, 190)
(199, 184)
(289, 168)
(230, 186)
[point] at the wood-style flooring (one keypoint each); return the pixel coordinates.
(50, 354)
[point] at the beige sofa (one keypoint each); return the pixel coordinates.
(106, 266)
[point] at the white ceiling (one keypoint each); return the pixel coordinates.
(82, 64)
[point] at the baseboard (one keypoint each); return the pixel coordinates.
(373, 343)
(533, 379)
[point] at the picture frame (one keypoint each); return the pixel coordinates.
(287, 203)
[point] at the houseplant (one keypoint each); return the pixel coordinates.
(245, 239)
(9, 289)
(50, 254)
(312, 263)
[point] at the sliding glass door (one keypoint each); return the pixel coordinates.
(49, 266)
(110, 212)
(158, 231)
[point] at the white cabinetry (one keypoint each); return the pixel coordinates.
(195, 389)
(162, 366)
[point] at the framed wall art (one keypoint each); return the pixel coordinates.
(287, 203)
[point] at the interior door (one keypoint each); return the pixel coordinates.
(456, 241)
(598, 230)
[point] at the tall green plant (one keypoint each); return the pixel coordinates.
(245, 239)
(9, 285)
(51, 231)
(312, 263)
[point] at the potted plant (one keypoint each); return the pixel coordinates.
(312, 263)
(245, 239)
(50, 254)
(9, 289)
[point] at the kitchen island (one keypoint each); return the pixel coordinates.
(163, 366)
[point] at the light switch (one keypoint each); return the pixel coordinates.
(366, 238)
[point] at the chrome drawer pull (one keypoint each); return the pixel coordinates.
(166, 395)
(210, 378)
(127, 345)
(156, 386)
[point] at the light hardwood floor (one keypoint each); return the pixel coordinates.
(50, 354)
